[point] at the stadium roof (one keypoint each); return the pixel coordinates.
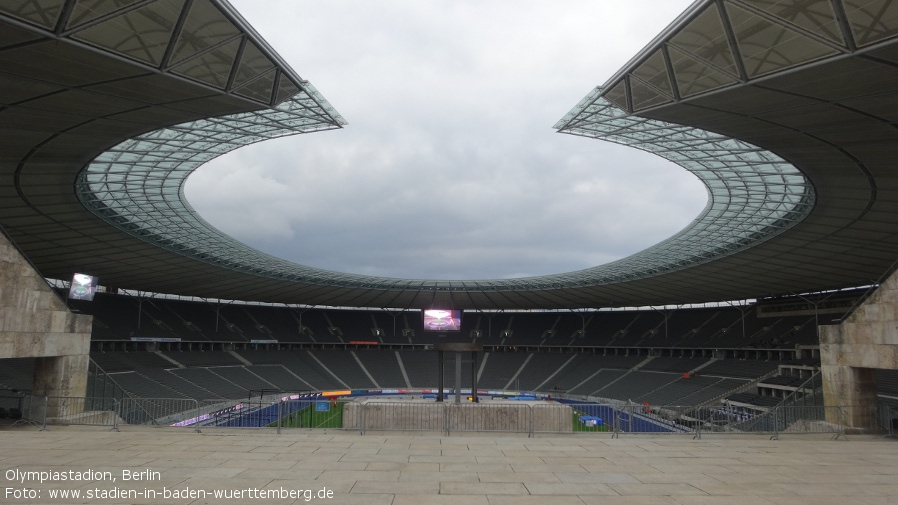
(784, 109)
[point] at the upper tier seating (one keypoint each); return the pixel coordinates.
(122, 317)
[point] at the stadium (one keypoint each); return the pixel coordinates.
(773, 311)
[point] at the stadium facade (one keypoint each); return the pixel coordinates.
(784, 109)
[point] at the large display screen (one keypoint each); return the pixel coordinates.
(442, 320)
(84, 287)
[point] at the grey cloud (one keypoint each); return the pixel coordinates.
(449, 167)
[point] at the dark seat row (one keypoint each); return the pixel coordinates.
(122, 317)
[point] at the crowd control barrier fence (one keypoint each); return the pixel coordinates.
(365, 414)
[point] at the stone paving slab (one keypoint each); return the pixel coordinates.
(260, 467)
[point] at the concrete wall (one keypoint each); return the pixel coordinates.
(849, 352)
(395, 415)
(35, 323)
(428, 415)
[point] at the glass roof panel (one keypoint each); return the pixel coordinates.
(143, 195)
(694, 76)
(746, 204)
(872, 20)
(212, 67)
(767, 47)
(753, 194)
(88, 10)
(142, 192)
(204, 27)
(142, 34)
(813, 15)
(705, 37)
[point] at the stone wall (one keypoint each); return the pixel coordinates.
(865, 340)
(36, 323)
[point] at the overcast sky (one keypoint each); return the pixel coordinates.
(449, 167)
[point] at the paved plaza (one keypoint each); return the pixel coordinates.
(174, 466)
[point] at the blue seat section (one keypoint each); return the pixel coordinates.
(255, 417)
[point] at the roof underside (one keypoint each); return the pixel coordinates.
(93, 167)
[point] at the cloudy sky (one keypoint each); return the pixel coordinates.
(449, 167)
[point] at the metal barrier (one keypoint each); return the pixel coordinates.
(13, 406)
(235, 414)
(34, 410)
(837, 421)
(654, 419)
(317, 414)
(378, 415)
(561, 418)
(385, 414)
(621, 418)
(889, 420)
(489, 417)
(159, 412)
(61, 410)
(796, 419)
(726, 419)
(864, 419)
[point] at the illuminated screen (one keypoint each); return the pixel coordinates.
(84, 287)
(442, 320)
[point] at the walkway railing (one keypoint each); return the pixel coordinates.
(366, 414)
